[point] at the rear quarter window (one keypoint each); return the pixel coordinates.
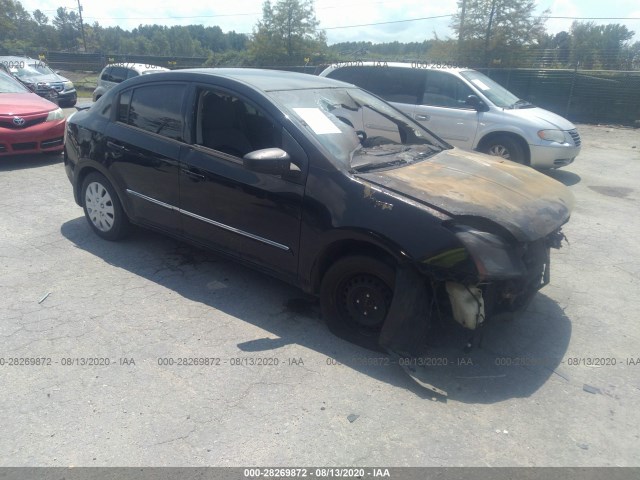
(400, 85)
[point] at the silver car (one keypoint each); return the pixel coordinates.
(469, 110)
(116, 73)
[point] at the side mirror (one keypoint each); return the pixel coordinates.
(475, 102)
(268, 160)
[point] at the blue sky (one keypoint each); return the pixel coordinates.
(241, 15)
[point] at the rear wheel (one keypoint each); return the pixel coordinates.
(506, 147)
(355, 297)
(102, 208)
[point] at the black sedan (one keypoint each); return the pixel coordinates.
(325, 186)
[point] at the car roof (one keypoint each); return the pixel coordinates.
(14, 58)
(139, 67)
(262, 79)
(419, 64)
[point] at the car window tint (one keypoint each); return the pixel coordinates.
(445, 90)
(123, 106)
(106, 74)
(401, 85)
(356, 75)
(232, 125)
(157, 109)
(131, 73)
(118, 74)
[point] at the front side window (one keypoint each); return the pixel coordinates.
(232, 125)
(445, 90)
(154, 108)
(496, 93)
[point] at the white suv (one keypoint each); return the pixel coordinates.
(468, 110)
(116, 73)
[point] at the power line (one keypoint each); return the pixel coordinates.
(175, 18)
(551, 17)
(386, 23)
(590, 18)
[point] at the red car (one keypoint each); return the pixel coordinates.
(28, 123)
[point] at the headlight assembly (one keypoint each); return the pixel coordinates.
(552, 135)
(493, 256)
(56, 114)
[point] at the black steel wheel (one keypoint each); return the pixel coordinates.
(355, 297)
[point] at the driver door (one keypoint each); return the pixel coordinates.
(250, 215)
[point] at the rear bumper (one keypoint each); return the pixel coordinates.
(41, 138)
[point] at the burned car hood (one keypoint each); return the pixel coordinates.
(526, 202)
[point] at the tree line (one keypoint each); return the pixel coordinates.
(487, 33)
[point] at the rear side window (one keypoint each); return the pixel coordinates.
(401, 85)
(118, 74)
(131, 73)
(154, 108)
(106, 75)
(445, 90)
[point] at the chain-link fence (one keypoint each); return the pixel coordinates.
(589, 96)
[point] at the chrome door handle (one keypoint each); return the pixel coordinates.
(193, 174)
(422, 117)
(115, 146)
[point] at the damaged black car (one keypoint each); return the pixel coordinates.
(325, 186)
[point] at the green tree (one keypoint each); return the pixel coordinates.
(40, 18)
(598, 46)
(68, 26)
(287, 34)
(16, 27)
(496, 30)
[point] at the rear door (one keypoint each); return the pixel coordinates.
(144, 146)
(253, 216)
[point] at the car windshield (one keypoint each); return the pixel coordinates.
(360, 130)
(33, 70)
(9, 85)
(499, 96)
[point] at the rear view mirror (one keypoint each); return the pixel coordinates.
(268, 160)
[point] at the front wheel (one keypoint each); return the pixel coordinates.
(506, 147)
(102, 208)
(355, 298)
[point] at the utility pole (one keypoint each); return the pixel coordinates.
(84, 40)
(460, 34)
(486, 40)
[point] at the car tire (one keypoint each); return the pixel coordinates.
(506, 147)
(102, 208)
(355, 298)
